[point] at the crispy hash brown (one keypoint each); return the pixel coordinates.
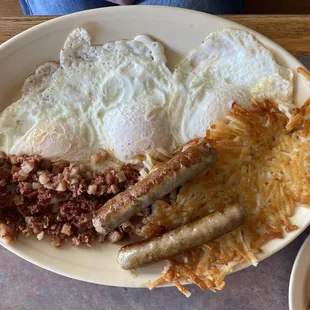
(263, 162)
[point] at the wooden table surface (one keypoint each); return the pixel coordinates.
(290, 31)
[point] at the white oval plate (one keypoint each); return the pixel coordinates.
(299, 290)
(180, 31)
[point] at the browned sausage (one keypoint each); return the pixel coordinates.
(157, 184)
(181, 239)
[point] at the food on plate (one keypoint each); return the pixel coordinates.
(57, 199)
(304, 73)
(113, 97)
(229, 66)
(156, 185)
(181, 239)
(263, 157)
(118, 148)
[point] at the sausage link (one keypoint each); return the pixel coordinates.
(181, 239)
(157, 184)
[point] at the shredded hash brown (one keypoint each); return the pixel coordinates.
(263, 163)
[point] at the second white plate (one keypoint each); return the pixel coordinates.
(299, 290)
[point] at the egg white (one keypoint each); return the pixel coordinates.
(121, 96)
(113, 97)
(230, 65)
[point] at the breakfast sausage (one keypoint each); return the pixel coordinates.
(157, 184)
(181, 239)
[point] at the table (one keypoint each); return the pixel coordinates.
(25, 286)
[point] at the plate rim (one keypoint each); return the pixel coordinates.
(135, 10)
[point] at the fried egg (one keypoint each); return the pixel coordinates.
(113, 97)
(230, 65)
(122, 97)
